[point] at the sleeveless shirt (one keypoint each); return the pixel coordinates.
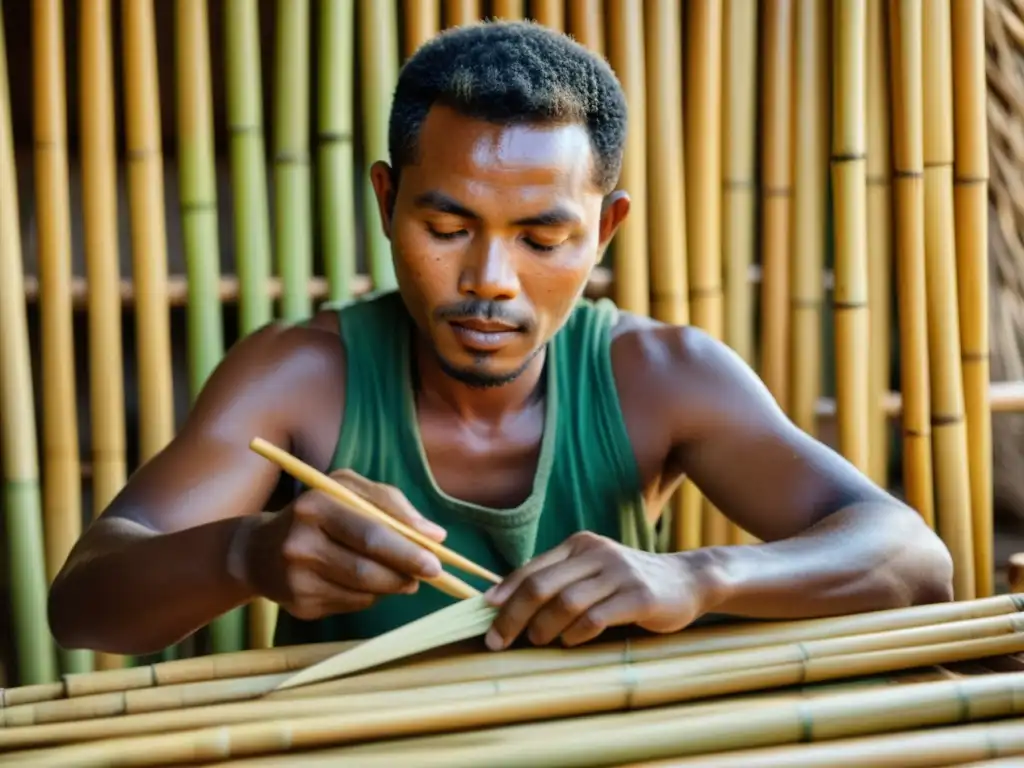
(586, 478)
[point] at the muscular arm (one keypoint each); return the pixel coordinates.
(153, 568)
(834, 542)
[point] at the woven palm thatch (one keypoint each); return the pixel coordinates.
(1004, 25)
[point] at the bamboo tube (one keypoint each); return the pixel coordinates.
(776, 194)
(102, 263)
(550, 13)
(244, 91)
(626, 55)
(22, 503)
(949, 432)
(508, 9)
(971, 209)
(931, 747)
(62, 491)
(879, 201)
(497, 685)
(422, 20)
(908, 171)
(198, 199)
(586, 24)
(849, 181)
(336, 161)
(460, 13)
(810, 193)
(378, 46)
(292, 205)
(996, 695)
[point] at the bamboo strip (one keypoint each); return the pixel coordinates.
(508, 9)
(422, 21)
(776, 195)
(102, 262)
(19, 449)
(971, 217)
(586, 24)
(908, 165)
(949, 432)
(996, 695)
(62, 490)
(879, 201)
(378, 74)
(625, 25)
(550, 13)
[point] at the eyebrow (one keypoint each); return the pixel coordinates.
(439, 201)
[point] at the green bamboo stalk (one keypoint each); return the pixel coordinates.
(248, 164)
(378, 75)
(198, 200)
(292, 206)
(37, 662)
(336, 163)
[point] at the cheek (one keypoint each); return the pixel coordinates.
(422, 260)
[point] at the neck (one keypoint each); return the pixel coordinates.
(437, 388)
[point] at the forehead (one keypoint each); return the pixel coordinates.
(482, 157)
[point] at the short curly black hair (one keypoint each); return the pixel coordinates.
(511, 72)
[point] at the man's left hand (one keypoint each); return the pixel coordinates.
(578, 589)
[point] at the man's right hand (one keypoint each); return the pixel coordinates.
(320, 557)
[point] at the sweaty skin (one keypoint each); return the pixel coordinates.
(506, 218)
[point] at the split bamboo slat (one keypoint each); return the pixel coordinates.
(23, 524)
(62, 494)
(98, 134)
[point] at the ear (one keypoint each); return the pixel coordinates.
(385, 190)
(614, 209)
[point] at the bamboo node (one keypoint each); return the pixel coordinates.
(944, 419)
(291, 158)
(335, 137)
(901, 174)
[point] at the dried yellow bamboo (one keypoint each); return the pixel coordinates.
(586, 24)
(879, 181)
(99, 219)
(949, 432)
(508, 9)
(908, 173)
(776, 196)
(550, 13)
(849, 183)
(459, 13)
(971, 209)
(810, 193)
(422, 21)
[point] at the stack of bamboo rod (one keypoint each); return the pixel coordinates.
(577, 690)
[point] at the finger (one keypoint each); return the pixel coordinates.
(532, 594)
(499, 593)
(567, 606)
(314, 597)
(392, 501)
(346, 568)
(620, 609)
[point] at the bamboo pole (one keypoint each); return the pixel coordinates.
(99, 218)
(336, 161)
(62, 490)
(849, 182)
(19, 448)
(378, 46)
(508, 9)
(422, 21)
(550, 13)
(460, 13)
(949, 432)
(810, 194)
(293, 226)
(776, 196)
(908, 173)
(879, 200)
(586, 24)
(971, 216)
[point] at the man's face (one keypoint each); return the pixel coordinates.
(494, 233)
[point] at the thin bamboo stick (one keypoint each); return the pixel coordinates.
(776, 196)
(550, 13)
(422, 20)
(508, 9)
(102, 263)
(293, 228)
(949, 432)
(19, 448)
(62, 491)
(971, 216)
(586, 24)
(460, 13)
(378, 46)
(908, 165)
(879, 193)
(810, 191)
(849, 182)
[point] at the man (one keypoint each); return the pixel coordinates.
(489, 406)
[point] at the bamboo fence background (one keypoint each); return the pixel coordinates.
(185, 171)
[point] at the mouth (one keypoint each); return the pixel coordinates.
(484, 335)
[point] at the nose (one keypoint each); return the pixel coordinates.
(489, 273)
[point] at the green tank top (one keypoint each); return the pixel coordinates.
(586, 479)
